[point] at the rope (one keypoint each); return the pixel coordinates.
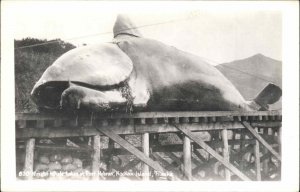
(142, 26)
(97, 34)
(235, 69)
(250, 74)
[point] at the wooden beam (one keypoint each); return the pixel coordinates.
(226, 152)
(145, 146)
(187, 163)
(39, 116)
(212, 152)
(54, 147)
(35, 116)
(261, 140)
(73, 131)
(257, 161)
(96, 156)
(29, 157)
(123, 143)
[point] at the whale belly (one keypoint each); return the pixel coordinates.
(192, 96)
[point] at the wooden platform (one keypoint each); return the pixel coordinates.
(210, 145)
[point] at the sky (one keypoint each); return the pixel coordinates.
(217, 33)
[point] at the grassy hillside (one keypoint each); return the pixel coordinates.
(252, 74)
(30, 63)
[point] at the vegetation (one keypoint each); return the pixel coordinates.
(30, 63)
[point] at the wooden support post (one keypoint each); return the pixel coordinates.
(270, 131)
(226, 153)
(212, 152)
(29, 157)
(257, 160)
(279, 138)
(266, 163)
(96, 156)
(195, 120)
(233, 139)
(154, 120)
(166, 120)
(40, 124)
(242, 138)
(187, 164)
(176, 120)
(111, 145)
(145, 146)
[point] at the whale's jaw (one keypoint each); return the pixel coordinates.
(71, 96)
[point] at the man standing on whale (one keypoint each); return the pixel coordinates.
(138, 74)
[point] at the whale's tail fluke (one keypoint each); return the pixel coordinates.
(124, 26)
(269, 95)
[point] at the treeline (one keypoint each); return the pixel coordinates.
(32, 57)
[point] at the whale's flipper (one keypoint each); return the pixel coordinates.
(124, 26)
(269, 95)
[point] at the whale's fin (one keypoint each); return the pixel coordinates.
(124, 26)
(269, 95)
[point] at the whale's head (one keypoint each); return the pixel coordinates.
(95, 76)
(91, 76)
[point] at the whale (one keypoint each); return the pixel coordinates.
(135, 73)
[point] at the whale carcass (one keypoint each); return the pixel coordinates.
(134, 73)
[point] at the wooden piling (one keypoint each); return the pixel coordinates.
(279, 139)
(257, 160)
(145, 146)
(187, 164)
(226, 152)
(96, 156)
(29, 157)
(111, 145)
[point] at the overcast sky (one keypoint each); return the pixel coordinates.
(218, 33)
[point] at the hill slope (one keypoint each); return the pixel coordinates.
(30, 63)
(252, 74)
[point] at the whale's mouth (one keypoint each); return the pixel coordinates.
(75, 95)
(48, 95)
